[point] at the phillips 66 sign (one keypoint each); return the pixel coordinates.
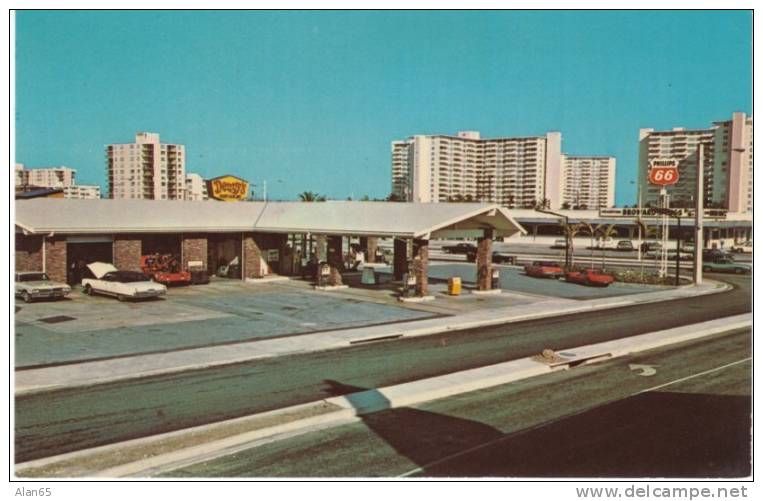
(663, 172)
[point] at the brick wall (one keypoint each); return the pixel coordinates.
(55, 257)
(194, 249)
(28, 252)
(421, 266)
(252, 258)
(127, 251)
(485, 262)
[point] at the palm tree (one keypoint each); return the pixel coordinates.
(605, 232)
(309, 196)
(571, 231)
(589, 228)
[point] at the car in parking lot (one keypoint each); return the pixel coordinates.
(544, 269)
(742, 247)
(559, 243)
(31, 285)
(726, 265)
(497, 257)
(685, 256)
(107, 279)
(589, 276)
(625, 245)
(462, 248)
(712, 255)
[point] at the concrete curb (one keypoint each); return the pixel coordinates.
(401, 395)
(125, 368)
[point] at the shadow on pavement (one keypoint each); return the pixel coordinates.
(421, 436)
(649, 435)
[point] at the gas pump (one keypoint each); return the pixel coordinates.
(495, 280)
(409, 285)
(324, 274)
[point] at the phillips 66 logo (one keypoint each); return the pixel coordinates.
(663, 172)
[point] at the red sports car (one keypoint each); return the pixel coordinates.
(544, 269)
(590, 277)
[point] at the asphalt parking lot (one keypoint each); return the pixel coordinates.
(85, 328)
(514, 279)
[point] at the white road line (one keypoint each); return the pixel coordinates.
(541, 425)
(694, 375)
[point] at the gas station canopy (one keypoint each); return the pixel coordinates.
(383, 219)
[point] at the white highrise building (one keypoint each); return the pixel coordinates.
(195, 187)
(55, 177)
(146, 168)
(513, 171)
(588, 182)
(48, 177)
(727, 165)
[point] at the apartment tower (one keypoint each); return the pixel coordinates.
(588, 182)
(727, 165)
(513, 171)
(146, 169)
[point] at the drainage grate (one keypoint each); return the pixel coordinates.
(57, 319)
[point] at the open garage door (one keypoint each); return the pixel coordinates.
(224, 255)
(82, 251)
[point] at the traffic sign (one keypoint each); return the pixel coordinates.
(663, 172)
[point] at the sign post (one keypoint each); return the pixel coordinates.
(663, 172)
(698, 216)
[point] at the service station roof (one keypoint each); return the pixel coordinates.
(104, 216)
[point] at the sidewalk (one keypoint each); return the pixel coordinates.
(98, 372)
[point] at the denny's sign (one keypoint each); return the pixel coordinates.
(227, 188)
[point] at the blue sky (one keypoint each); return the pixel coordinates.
(312, 100)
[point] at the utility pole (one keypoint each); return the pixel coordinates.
(699, 211)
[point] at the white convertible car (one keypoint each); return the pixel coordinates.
(121, 284)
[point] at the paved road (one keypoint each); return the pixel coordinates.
(692, 418)
(61, 421)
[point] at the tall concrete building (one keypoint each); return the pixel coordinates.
(195, 187)
(731, 179)
(146, 168)
(588, 182)
(55, 177)
(48, 177)
(513, 171)
(727, 164)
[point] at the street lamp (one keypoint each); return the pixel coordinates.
(567, 239)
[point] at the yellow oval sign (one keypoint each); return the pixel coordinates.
(227, 188)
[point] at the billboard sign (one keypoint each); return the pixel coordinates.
(227, 188)
(663, 172)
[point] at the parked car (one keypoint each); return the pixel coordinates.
(559, 243)
(31, 285)
(625, 245)
(744, 247)
(165, 269)
(650, 246)
(544, 269)
(726, 265)
(121, 284)
(462, 248)
(687, 247)
(589, 277)
(497, 257)
(685, 256)
(711, 255)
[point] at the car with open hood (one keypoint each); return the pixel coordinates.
(107, 279)
(31, 285)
